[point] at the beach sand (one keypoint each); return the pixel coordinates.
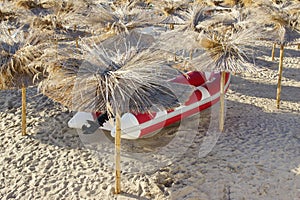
(256, 157)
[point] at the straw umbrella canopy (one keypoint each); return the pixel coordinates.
(18, 67)
(11, 13)
(6, 13)
(285, 18)
(228, 52)
(173, 12)
(205, 17)
(118, 19)
(118, 75)
(223, 49)
(64, 18)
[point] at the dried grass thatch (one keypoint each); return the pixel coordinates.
(130, 78)
(173, 12)
(18, 55)
(230, 52)
(119, 19)
(285, 19)
(6, 15)
(48, 22)
(198, 14)
(28, 4)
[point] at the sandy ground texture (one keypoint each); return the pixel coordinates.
(257, 156)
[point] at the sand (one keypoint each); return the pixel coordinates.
(256, 157)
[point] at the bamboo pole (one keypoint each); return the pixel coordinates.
(23, 110)
(118, 154)
(222, 101)
(273, 51)
(279, 76)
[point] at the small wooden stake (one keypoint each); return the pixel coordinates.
(23, 110)
(77, 45)
(191, 54)
(56, 47)
(298, 46)
(273, 51)
(76, 40)
(172, 26)
(279, 76)
(222, 101)
(118, 154)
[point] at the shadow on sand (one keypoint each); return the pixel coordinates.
(263, 90)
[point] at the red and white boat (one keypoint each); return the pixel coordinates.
(140, 125)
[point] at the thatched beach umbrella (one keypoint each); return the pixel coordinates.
(229, 52)
(220, 51)
(18, 66)
(12, 13)
(119, 19)
(118, 75)
(285, 18)
(64, 18)
(6, 14)
(223, 45)
(173, 12)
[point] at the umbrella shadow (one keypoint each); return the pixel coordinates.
(267, 51)
(250, 135)
(288, 52)
(132, 196)
(52, 128)
(263, 63)
(288, 72)
(46, 120)
(10, 100)
(263, 90)
(291, 73)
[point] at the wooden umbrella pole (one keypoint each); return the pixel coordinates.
(76, 40)
(273, 51)
(77, 45)
(191, 54)
(23, 110)
(279, 76)
(171, 26)
(222, 101)
(118, 154)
